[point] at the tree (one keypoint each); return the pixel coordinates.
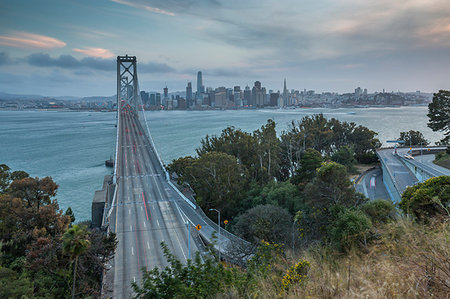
(282, 194)
(4, 177)
(439, 114)
(218, 181)
(413, 138)
(310, 161)
(345, 156)
(331, 186)
(75, 243)
(429, 199)
(325, 197)
(34, 191)
(264, 223)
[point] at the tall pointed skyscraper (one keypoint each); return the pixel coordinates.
(285, 94)
(200, 88)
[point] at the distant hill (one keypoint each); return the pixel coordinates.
(27, 97)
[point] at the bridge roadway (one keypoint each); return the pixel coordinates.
(145, 213)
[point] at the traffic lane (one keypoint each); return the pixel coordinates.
(170, 223)
(372, 186)
(401, 174)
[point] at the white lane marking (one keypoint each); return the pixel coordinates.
(157, 222)
(142, 208)
(129, 212)
(134, 278)
(181, 246)
(148, 245)
(131, 227)
(145, 224)
(132, 251)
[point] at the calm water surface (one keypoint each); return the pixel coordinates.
(71, 147)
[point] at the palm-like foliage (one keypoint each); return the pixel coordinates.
(75, 243)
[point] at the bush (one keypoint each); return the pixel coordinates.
(349, 229)
(296, 274)
(429, 199)
(379, 210)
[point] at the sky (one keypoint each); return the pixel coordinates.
(69, 47)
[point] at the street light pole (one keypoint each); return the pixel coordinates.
(189, 239)
(218, 222)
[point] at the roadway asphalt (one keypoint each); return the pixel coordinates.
(401, 174)
(425, 162)
(145, 212)
(372, 186)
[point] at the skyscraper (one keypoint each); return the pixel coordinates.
(285, 94)
(200, 87)
(188, 95)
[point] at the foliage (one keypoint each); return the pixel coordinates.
(439, 114)
(428, 199)
(345, 156)
(327, 137)
(413, 138)
(282, 194)
(349, 229)
(443, 159)
(14, 286)
(218, 181)
(296, 274)
(195, 279)
(258, 153)
(310, 161)
(325, 197)
(31, 242)
(379, 210)
(264, 222)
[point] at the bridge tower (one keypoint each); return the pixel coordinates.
(127, 84)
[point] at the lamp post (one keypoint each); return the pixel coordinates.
(218, 222)
(189, 239)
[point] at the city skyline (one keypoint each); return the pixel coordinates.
(64, 47)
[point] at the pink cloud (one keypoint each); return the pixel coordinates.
(30, 40)
(95, 52)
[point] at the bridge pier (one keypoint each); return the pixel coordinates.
(102, 199)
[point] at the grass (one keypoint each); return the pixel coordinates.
(442, 159)
(406, 260)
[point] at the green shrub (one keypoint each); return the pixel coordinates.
(349, 229)
(379, 210)
(429, 199)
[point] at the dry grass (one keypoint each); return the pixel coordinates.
(406, 261)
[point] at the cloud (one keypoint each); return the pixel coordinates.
(5, 59)
(94, 63)
(154, 67)
(95, 52)
(30, 41)
(145, 7)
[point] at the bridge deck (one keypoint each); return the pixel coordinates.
(145, 212)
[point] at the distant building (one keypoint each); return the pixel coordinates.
(286, 100)
(188, 95)
(247, 96)
(274, 99)
(258, 95)
(200, 87)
